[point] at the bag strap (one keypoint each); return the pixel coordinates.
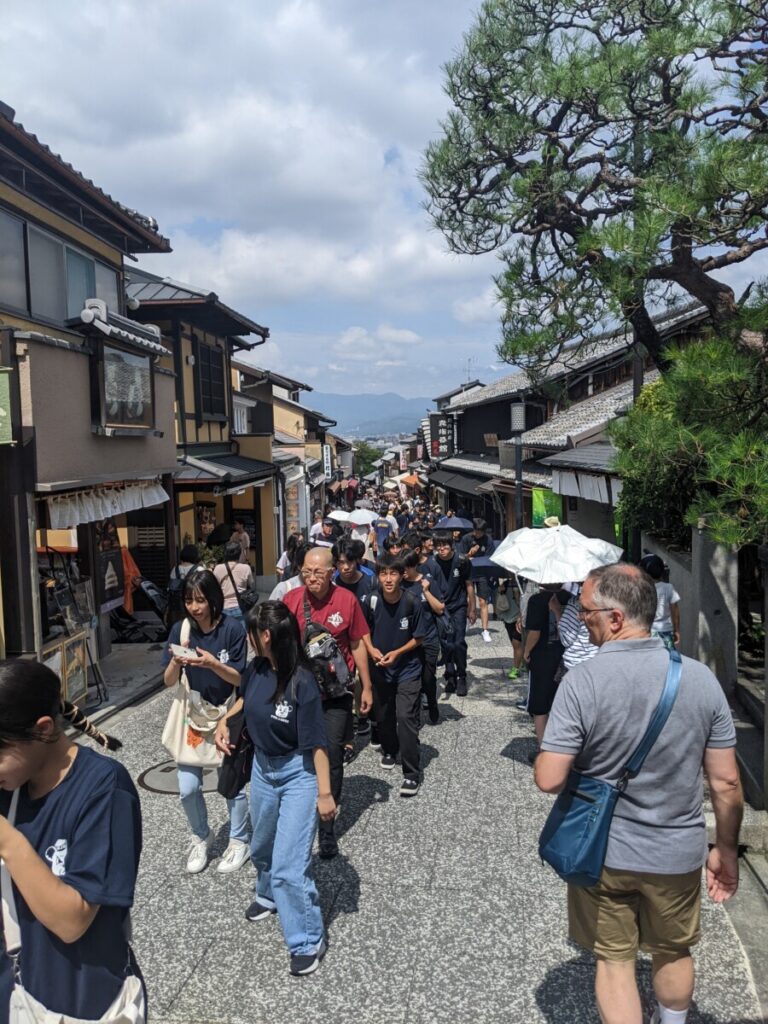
(186, 630)
(232, 578)
(658, 719)
(10, 914)
(307, 615)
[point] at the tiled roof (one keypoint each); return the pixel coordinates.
(148, 225)
(595, 458)
(459, 390)
(581, 417)
(590, 351)
(532, 472)
(283, 438)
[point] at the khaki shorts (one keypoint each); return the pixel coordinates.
(631, 910)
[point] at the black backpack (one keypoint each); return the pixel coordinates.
(328, 663)
(176, 592)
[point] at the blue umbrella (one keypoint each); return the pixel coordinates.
(454, 523)
(484, 568)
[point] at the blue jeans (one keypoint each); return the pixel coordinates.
(236, 613)
(284, 815)
(193, 802)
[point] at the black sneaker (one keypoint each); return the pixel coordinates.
(387, 761)
(308, 963)
(349, 755)
(450, 684)
(410, 787)
(461, 687)
(434, 714)
(258, 911)
(363, 726)
(327, 845)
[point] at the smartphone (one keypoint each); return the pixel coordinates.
(185, 652)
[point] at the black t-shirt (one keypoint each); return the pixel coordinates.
(540, 618)
(392, 626)
(451, 577)
(227, 643)
(88, 832)
(414, 587)
(484, 545)
(362, 590)
(295, 724)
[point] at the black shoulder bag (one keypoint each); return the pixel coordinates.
(246, 599)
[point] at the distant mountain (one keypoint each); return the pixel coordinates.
(370, 415)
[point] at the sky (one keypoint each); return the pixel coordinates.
(277, 144)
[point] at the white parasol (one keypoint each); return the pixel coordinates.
(362, 517)
(555, 555)
(339, 516)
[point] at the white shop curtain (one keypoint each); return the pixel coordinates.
(69, 510)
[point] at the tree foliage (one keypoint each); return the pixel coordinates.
(365, 456)
(693, 450)
(614, 152)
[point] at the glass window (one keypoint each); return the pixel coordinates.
(81, 282)
(127, 389)
(13, 283)
(46, 276)
(106, 287)
(212, 393)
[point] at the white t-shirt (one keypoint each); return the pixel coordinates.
(316, 528)
(666, 596)
(283, 561)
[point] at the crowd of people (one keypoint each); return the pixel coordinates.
(347, 651)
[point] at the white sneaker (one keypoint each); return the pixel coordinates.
(199, 849)
(233, 858)
(487, 636)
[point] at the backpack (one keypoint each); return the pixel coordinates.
(328, 663)
(176, 592)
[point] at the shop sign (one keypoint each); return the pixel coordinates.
(6, 425)
(441, 436)
(545, 504)
(403, 459)
(327, 469)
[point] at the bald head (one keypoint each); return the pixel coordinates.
(319, 558)
(317, 571)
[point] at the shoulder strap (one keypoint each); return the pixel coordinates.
(229, 573)
(10, 915)
(658, 719)
(186, 629)
(307, 613)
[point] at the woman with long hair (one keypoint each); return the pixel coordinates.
(218, 652)
(70, 841)
(286, 562)
(290, 783)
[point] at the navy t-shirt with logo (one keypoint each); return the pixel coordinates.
(414, 587)
(450, 580)
(367, 584)
(392, 626)
(88, 832)
(483, 544)
(296, 723)
(226, 642)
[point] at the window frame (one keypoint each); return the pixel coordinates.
(100, 423)
(202, 415)
(25, 261)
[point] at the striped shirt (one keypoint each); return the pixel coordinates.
(574, 637)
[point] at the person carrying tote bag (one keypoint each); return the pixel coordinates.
(70, 842)
(206, 680)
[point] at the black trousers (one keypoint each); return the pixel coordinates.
(337, 713)
(455, 654)
(429, 673)
(397, 707)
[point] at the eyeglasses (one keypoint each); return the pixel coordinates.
(581, 611)
(309, 573)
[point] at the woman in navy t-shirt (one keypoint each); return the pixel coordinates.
(220, 643)
(290, 783)
(72, 853)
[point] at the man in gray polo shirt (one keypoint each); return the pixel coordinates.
(649, 894)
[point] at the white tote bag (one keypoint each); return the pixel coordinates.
(191, 723)
(129, 1007)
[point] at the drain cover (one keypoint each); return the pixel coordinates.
(161, 778)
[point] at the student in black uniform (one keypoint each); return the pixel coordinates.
(350, 575)
(415, 582)
(220, 642)
(397, 631)
(291, 780)
(70, 840)
(453, 586)
(478, 544)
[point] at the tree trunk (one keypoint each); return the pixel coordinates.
(647, 335)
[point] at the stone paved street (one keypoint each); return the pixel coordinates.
(437, 908)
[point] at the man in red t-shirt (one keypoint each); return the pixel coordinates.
(338, 611)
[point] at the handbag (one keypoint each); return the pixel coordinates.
(128, 1007)
(328, 663)
(191, 722)
(246, 599)
(237, 766)
(574, 839)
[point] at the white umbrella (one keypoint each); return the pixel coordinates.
(339, 516)
(554, 555)
(362, 517)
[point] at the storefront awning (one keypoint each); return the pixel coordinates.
(71, 509)
(225, 471)
(456, 482)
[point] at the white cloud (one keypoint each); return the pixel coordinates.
(484, 308)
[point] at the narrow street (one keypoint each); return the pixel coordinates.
(438, 909)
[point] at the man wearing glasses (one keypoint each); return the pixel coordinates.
(339, 612)
(649, 893)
